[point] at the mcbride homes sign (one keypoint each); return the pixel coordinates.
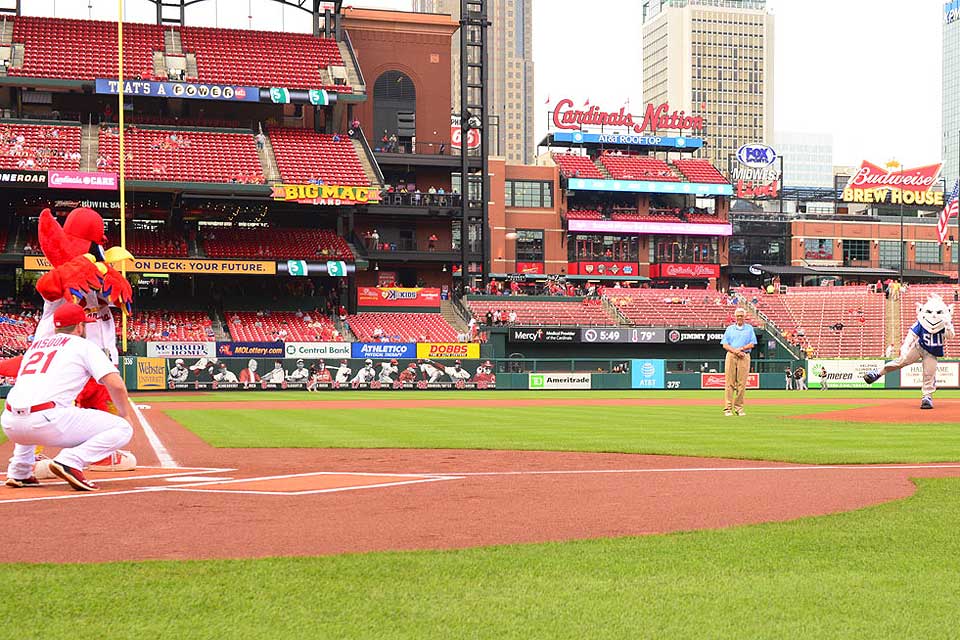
(654, 118)
(874, 184)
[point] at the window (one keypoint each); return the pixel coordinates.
(683, 249)
(529, 194)
(818, 249)
(529, 245)
(928, 253)
(889, 254)
(597, 248)
(855, 250)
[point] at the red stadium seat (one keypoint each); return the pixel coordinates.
(303, 156)
(408, 327)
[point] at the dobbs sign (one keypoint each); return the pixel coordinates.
(874, 184)
(447, 350)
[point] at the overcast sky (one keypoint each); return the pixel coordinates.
(866, 71)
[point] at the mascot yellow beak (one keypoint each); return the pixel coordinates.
(116, 255)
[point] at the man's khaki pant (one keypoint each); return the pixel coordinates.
(736, 371)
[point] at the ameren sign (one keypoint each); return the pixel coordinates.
(654, 118)
(185, 265)
(335, 195)
(873, 184)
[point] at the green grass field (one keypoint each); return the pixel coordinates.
(884, 572)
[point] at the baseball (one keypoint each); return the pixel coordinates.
(511, 235)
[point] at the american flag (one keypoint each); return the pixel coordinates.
(949, 211)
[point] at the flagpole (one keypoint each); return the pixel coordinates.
(956, 245)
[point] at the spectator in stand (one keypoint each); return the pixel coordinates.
(488, 318)
(432, 242)
(375, 239)
(336, 137)
(512, 317)
(342, 313)
(497, 317)
(261, 140)
(890, 351)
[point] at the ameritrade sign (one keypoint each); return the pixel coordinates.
(87, 180)
(634, 140)
(840, 374)
(398, 297)
(189, 90)
(181, 349)
(317, 349)
(334, 195)
(543, 334)
(448, 350)
(546, 381)
(623, 335)
(160, 265)
(383, 350)
(647, 228)
(873, 184)
(948, 375)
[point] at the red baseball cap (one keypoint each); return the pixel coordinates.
(69, 314)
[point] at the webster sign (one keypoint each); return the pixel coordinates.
(325, 194)
(654, 118)
(874, 184)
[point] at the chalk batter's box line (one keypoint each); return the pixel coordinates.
(418, 478)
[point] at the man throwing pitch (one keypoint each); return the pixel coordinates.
(738, 341)
(40, 408)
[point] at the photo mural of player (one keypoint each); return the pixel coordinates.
(328, 374)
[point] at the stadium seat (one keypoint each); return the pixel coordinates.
(408, 327)
(576, 166)
(169, 326)
(251, 326)
(576, 312)
(696, 170)
(634, 167)
(254, 243)
(671, 307)
(303, 156)
(39, 147)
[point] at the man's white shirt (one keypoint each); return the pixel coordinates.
(55, 369)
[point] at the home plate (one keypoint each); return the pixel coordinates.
(180, 479)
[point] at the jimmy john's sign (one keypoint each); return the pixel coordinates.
(324, 194)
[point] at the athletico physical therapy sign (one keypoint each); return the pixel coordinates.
(185, 265)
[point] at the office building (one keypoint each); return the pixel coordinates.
(951, 91)
(807, 158)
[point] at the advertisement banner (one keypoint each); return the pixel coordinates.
(317, 349)
(647, 228)
(473, 135)
(634, 140)
(655, 118)
(250, 349)
(447, 350)
(754, 172)
(694, 336)
(325, 194)
(840, 374)
(178, 265)
(543, 334)
(223, 374)
(181, 349)
(90, 180)
(22, 178)
(874, 184)
(189, 90)
(624, 335)
(548, 381)
(695, 271)
(948, 376)
(647, 374)
(398, 297)
(151, 373)
(530, 267)
(603, 268)
(383, 350)
(719, 381)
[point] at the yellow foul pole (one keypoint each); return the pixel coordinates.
(122, 179)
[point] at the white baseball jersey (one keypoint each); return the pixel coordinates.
(276, 375)
(178, 374)
(102, 333)
(55, 369)
(300, 374)
(433, 374)
(225, 375)
(343, 374)
(457, 374)
(366, 374)
(386, 372)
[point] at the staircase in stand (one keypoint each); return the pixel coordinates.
(269, 163)
(450, 314)
(89, 147)
(365, 162)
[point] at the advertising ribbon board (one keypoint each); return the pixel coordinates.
(603, 268)
(181, 349)
(178, 265)
(543, 334)
(948, 376)
(633, 140)
(548, 381)
(694, 336)
(654, 118)
(840, 374)
(647, 374)
(383, 350)
(250, 349)
(646, 228)
(719, 381)
(697, 270)
(317, 349)
(87, 180)
(189, 90)
(151, 373)
(623, 335)
(22, 177)
(398, 297)
(447, 350)
(334, 195)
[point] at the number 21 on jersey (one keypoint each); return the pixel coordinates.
(30, 366)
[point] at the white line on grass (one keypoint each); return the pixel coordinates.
(828, 467)
(166, 460)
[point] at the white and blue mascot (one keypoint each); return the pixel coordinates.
(923, 343)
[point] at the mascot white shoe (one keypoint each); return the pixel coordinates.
(923, 343)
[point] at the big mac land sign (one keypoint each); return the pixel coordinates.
(654, 118)
(326, 194)
(876, 185)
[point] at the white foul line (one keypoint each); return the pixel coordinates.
(166, 460)
(827, 467)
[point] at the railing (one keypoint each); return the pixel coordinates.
(353, 58)
(419, 199)
(426, 148)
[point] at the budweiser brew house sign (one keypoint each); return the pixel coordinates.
(876, 185)
(654, 118)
